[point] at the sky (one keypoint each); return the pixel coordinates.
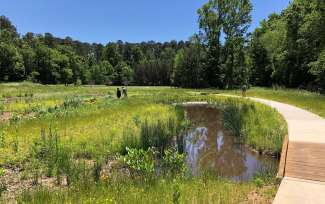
(103, 21)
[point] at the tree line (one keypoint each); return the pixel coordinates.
(287, 49)
(50, 60)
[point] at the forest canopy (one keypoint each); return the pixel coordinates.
(287, 49)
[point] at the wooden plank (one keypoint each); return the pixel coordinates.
(305, 161)
(283, 158)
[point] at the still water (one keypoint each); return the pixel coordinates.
(209, 148)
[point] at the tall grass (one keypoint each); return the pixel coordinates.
(256, 125)
(90, 129)
(77, 132)
(199, 190)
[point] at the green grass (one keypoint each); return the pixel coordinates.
(89, 130)
(91, 124)
(312, 102)
(162, 191)
(259, 126)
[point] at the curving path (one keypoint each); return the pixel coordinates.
(304, 165)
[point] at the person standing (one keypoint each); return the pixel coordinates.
(243, 90)
(118, 93)
(124, 91)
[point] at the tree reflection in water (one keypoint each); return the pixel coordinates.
(210, 148)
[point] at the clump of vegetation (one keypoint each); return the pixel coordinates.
(141, 162)
(173, 163)
(55, 157)
(158, 134)
(256, 125)
(71, 103)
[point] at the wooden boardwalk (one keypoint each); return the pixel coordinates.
(306, 161)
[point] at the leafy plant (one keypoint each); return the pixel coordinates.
(140, 161)
(258, 182)
(173, 162)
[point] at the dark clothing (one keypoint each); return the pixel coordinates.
(118, 93)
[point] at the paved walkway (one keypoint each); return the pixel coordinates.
(304, 177)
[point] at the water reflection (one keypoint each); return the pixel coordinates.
(210, 148)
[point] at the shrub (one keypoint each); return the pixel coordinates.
(140, 162)
(258, 182)
(173, 162)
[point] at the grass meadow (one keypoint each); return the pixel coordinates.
(72, 135)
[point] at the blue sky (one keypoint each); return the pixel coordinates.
(102, 21)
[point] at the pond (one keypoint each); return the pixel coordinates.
(210, 148)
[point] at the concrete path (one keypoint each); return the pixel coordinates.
(305, 156)
(303, 126)
(300, 191)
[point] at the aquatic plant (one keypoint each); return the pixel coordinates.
(256, 125)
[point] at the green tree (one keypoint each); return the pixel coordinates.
(11, 63)
(29, 59)
(237, 18)
(123, 74)
(318, 69)
(111, 54)
(103, 73)
(188, 66)
(211, 20)
(67, 75)
(8, 27)
(293, 40)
